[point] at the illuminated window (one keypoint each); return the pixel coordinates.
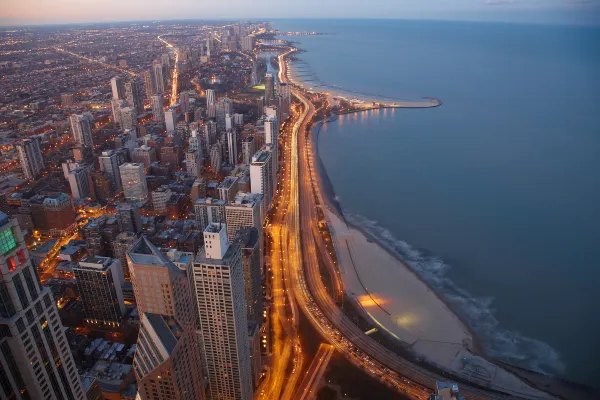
(7, 241)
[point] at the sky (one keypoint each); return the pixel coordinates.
(21, 12)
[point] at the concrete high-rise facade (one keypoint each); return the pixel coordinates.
(248, 240)
(134, 92)
(99, 281)
(232, 147)
(158, 113)
(271, 137)
(160, 77)
(218, 277)
(129, 217)
(79, 181)
(128, 118)
(209, 211)
(248, 149)
(171, 120)
(120, 246)
(248, 44)
(81, 127)
(269, 87)
(216, 157)
(30, 157)
(193, 162)
(118, 88)
(262, 175)
(244, 210)
(167, 362)
(134, 181)
(228, 188)
(35, 360)
(109, 162)
(149, 83)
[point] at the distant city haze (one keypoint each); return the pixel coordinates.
(32, 12)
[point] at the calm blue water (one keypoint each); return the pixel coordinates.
(494, 197)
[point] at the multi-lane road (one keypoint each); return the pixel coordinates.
(306, 249)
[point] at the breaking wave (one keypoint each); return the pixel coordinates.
(507, 346)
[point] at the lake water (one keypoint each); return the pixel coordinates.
(494, 197)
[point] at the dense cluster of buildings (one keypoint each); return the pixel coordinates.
(154, 226)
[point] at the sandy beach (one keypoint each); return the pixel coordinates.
(402, 305)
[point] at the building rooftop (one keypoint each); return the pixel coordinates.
(166, 328)
(145, 253)
(211, 201)
(226, 260)
(228, 182)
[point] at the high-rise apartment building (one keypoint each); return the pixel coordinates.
(171, 120)
(110, 161)
(167, 361)
(118, 88)
(79, 181)
(216, 156)
(269, 87)
(209, 211)
(160, 77)
(35, 360)
(218, 276)
(271, 138)
(158, 113)
(149, 83)
(134, 181)
(248, 149)
(81, 126)
(245, 210)
(228, 188)
(30, 156)
(99, 281)
(120, 246)
(129, 217)
(262, 175)
(193, 162)
(248, 240)
(134, 93)
(232, 147)
(128, 117)
(248, 44)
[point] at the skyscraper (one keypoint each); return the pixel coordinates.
(160, 80)
(209, 211)
(269, 87)
(129, 217)
(248, 240)
(109, 162)
(117, 105)
(158, 113)
(193, 162)
(228, 188)
(232, 147)
(262, 177)
(248, 149)
(149, 83)
(79, 181)
(129, 118)
(35, 360)
(218, 277)
(117, 87)
(30, 156)
(215, 157)
(271, 137)
(81, 126)
(134, 181)
(99, 281)
(134, 92)
(244, 210)
(248, 44)
(167, 361)
(171, 120)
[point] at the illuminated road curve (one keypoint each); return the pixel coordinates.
(312, 296)
(94, 61)
(310, 384)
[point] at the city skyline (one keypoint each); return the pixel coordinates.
(36, 12)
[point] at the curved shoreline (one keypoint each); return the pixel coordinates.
(329, 197)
